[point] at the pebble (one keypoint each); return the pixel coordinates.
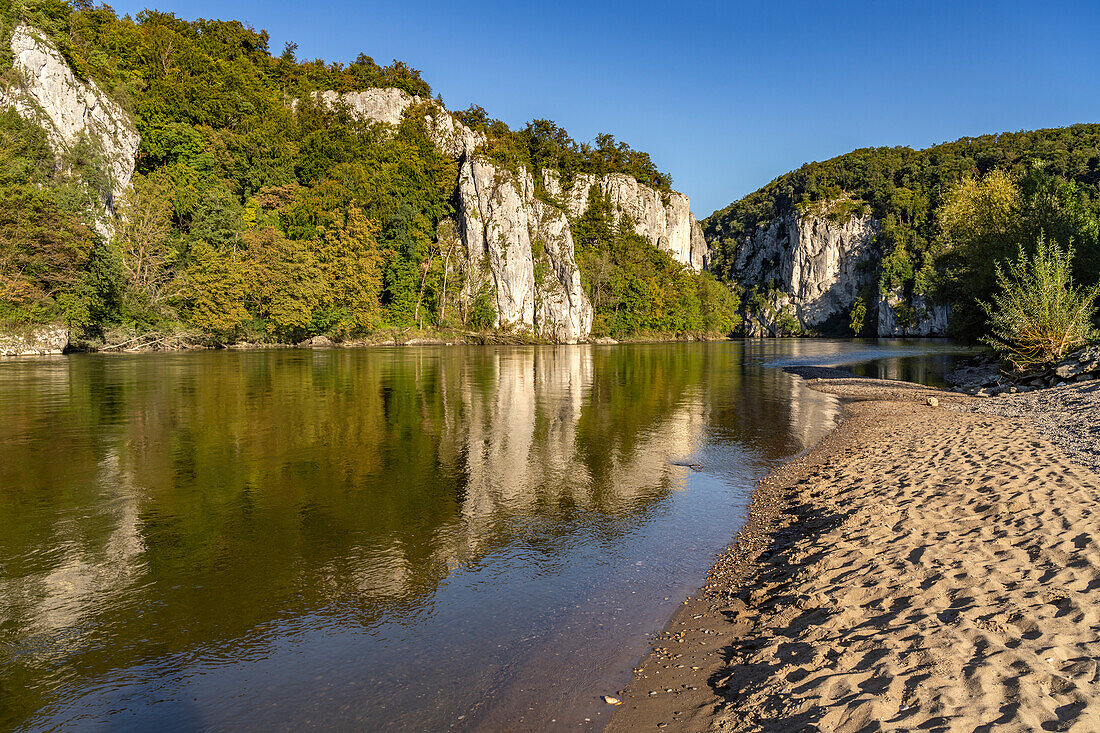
(1067, 416)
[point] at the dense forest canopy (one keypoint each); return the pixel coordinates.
(947, 213)
(252, 218)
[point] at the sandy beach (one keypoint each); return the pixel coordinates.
(923, 568)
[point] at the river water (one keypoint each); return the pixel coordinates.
(418, 538)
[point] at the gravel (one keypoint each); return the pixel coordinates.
(1068, 415)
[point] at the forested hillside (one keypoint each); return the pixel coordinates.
(946, 214)
(259, 213)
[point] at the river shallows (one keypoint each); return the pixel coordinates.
(407, 539)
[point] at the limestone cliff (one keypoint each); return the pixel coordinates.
(813, 269)
(817, 264)
(528, 247)
(518, 245)
(664, 219)
(70, 110)
(920, 317)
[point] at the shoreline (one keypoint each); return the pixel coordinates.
(781, 636)
(430, 338)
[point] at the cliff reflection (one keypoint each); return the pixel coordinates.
(180, 504)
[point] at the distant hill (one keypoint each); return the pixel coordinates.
(1053, 174)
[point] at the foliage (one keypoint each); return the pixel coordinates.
(543, 145)
(1038, 316)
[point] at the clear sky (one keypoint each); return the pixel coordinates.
(724, 96)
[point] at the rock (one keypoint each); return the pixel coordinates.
(612, 700)
(604, 340)
(44, 340)
(317, 342)
(932, 318)
(664, 219)
(933, 402)
(1089, 354)
(69, 109)
(523, 250)
(1068, 369)
(820, 266)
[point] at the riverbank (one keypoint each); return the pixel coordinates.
(922, 568)
(54, 340)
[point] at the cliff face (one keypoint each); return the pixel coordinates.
(519, 246)
(668, 226)
(528, 247)
(69, 109)
(928, 319)
(817, 264)
(816, 268)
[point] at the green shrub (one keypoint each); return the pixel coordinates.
(1039, 316)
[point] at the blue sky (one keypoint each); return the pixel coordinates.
(724, 96)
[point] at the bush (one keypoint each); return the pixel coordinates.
(1039, 316)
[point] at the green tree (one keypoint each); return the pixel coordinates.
(348, 260)
(211, 292)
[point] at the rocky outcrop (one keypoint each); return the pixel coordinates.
(818, 264)
(814, 269)
(389, 106)
(43, 340)
(984, 376)
(518, 245)
(70, 110)
(664, 219)
(528, 247)
(896, 317)
(376, 105)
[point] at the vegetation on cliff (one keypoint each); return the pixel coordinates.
(250, 217)
(638, 289)
(947, 213)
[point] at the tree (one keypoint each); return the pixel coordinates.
(980, 222)
(282, 281)
(348, 260)
(143, 240)
(211, 292)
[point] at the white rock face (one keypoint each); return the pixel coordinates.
(451, 136)
(377, 105)
(68, 108)
(390, 105)
(931, 318)
(817, 263)
(818, 268)
(529, 250)
(668, 226)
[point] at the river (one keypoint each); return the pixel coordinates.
(418, 538)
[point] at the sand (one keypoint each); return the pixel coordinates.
(924, 568)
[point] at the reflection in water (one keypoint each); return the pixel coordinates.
(392, 537)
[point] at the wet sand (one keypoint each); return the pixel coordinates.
(927, 568)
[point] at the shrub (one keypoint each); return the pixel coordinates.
(1039, 316)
